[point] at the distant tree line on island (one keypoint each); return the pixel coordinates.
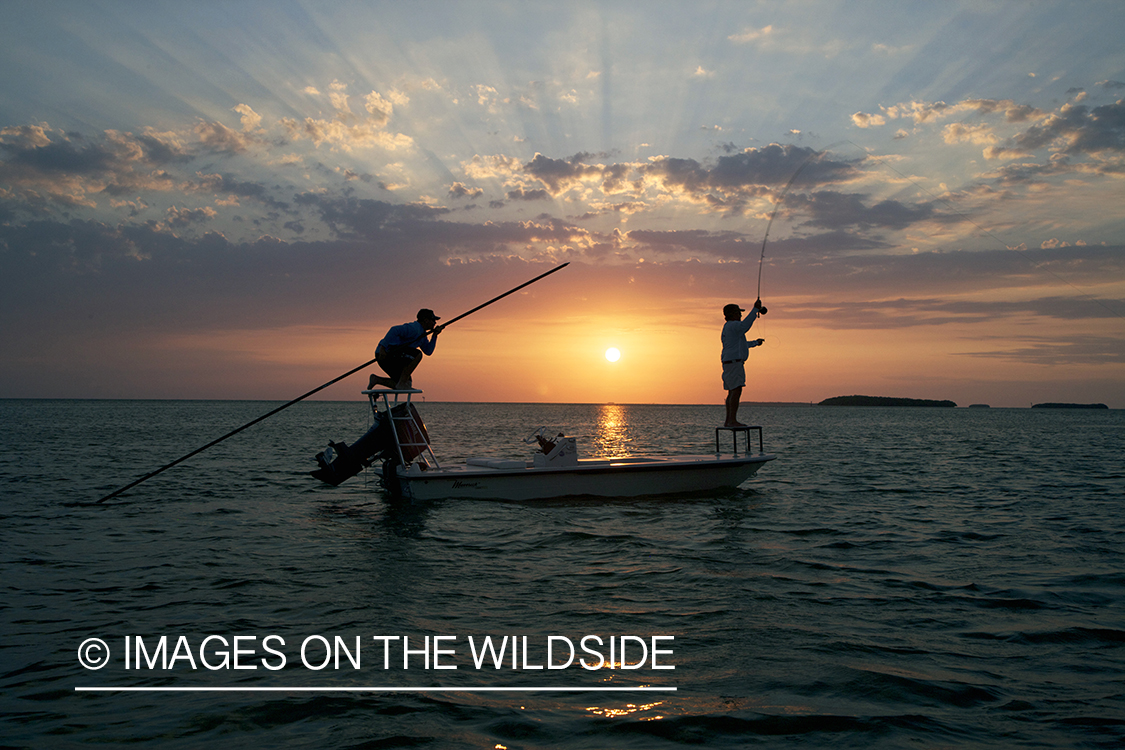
(888, 401)
(882, 401)
(1069, 406)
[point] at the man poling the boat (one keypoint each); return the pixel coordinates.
(736, 349)
(319, 388)
(401, 350)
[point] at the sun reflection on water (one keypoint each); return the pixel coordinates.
(626, 710)
(612, 432)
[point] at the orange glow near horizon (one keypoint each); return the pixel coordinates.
(510, 356)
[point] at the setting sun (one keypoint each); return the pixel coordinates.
(612, 354)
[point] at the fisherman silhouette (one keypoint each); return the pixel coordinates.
(401, 350)
(735, 351)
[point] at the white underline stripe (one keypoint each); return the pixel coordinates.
(370, 689)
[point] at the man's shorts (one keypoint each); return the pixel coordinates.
(393, 364)
(734, 375)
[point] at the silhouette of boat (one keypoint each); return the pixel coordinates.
(399, 440)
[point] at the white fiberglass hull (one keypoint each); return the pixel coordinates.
(627, 477)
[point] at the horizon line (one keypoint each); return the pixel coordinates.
(508, 403)
(227, 689)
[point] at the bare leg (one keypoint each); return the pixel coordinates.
(375, 380)
(734, 397)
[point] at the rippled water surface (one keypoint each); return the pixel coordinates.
(896, 578)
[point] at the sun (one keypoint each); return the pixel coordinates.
(612, 354)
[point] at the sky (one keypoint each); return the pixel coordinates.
(237, 199)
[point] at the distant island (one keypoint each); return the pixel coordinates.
(882, 401)
(979, 406)
(1069, 406)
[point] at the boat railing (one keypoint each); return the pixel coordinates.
(388, 399)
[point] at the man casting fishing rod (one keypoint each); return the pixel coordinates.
(735, 351)
(401, 350)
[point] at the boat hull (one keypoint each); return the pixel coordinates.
(631, 477)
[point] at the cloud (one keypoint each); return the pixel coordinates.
(218, 138)
(922, 112)
(693, 242)
(362, 218)
(914, 312)
(348, 131)
(224, 185)
(42, 166)
(1046, 350)
(177, 218)
(346, 134)
(833, 210)
(1074, 139)
(459, 190)
(1073, 130)
(495, 166)
(724, 184)
(251, 120)
(730, 180)
(815, 265)
(519, 194)
(379, 108)
(863, 120)
(751, 35)
(561, 174)
(958, 133)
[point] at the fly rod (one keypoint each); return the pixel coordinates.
(780, 200)
(354, 370)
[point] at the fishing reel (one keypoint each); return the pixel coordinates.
(761, 308)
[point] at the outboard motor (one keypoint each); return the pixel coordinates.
(339, 461)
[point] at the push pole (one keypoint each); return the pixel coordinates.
(354, 370)
(505, 294)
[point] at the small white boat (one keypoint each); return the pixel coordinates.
(554, 469)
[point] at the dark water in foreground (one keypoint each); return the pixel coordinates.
(896, 578)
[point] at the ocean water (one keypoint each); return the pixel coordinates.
(898, 577)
